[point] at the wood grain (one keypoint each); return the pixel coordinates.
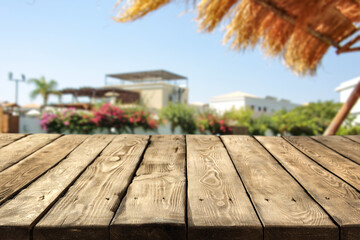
(218, 206)
(154, 206)
(334, 162)
(7, 138)
(338, 199)
(342, 145)
(21, 174)
(355, 138)
(18, 215)
(285, 209)
(87, 208)
(13, 153)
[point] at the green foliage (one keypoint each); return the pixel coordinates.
(43, 88)
(179, 115)
(241, 117)
(348, 127)
(261, 124)
(256, 126)
(311, 119)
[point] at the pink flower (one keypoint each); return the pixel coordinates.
(66, 123)
(131, 119)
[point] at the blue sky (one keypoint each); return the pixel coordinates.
(77, 43)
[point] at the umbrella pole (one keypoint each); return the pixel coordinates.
(343, 112)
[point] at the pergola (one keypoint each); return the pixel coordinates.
(123, 95)
(147, 76)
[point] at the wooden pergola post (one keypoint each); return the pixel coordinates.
(343, 112)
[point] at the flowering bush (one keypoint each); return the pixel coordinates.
(51, 123)
(68, 120)
(109, 116)
(106, 117)
(140, 118)
(213, 124)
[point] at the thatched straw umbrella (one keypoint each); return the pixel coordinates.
(299, 31)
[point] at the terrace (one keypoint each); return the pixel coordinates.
(179, 187)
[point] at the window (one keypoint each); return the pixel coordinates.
(252, 107)
(259, 109)
(265, 109)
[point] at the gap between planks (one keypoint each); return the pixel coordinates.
(283, 206)
(20, 214)
(87, 208)
(154, 205)
(329, 191)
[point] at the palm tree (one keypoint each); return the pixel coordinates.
(43, 88)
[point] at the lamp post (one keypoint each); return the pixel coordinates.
(23, 79)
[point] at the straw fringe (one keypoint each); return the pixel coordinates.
(300, 32)
(136, 9)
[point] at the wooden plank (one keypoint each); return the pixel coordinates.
(21, 174)
(332, 161)
(285, 209)
(218, 206)
(338, 199)
(19, 215)
(154, 206)
(342, 145)
(88, 207)
(7, 138)
(13, 153)
(355, 138)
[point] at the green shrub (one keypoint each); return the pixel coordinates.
(180, 115)
(311, 119)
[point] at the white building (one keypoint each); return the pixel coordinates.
(259, 105)
(345, 90)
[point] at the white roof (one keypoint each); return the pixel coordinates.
(234, 95)
(348, 84)
(198, 103)
(33, 112)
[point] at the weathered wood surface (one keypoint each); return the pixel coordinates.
(21, 174)
(179, 187)
(337, 198)
(342, 145)
(218, 206)
(22, 148)
(18, 215)
(154, 206)
(342, 167)
(355, 138)
(284, 208)
(88, 207)
(7, 138)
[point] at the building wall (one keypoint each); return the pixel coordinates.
(152, 98)
(258, 105)
(267, 106)
(345, 89)
(156, 95)
(224, 105)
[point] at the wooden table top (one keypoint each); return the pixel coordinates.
(179, 187)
